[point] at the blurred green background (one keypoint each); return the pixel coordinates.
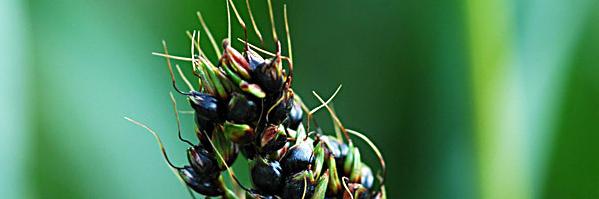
(466, 99)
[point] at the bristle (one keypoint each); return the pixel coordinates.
(209, 34)
(287, 33)
(256, 30)
(272, 22)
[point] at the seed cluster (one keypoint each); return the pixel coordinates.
(245, 104)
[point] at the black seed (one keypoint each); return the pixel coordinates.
(281, 110)
(266, 76)
(206, 106)
(267, 176)
(338, 150)
(206, 110)
(332, 146)
(241, 110)
(254, 60)
(366, 177)
(204, 186)
(295, 116)
(202, 161)
(297, 158)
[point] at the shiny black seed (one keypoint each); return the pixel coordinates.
(344, 149)
(267, 175)
(281, 110)
(366, 177)
(206, 110)
(203, 162)
(295, 116)
(255, 60)
(266, 75)
(241, 109)
(338, 150)
(204, 186)
(298, 158)
(205, 105)
(332, 146)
